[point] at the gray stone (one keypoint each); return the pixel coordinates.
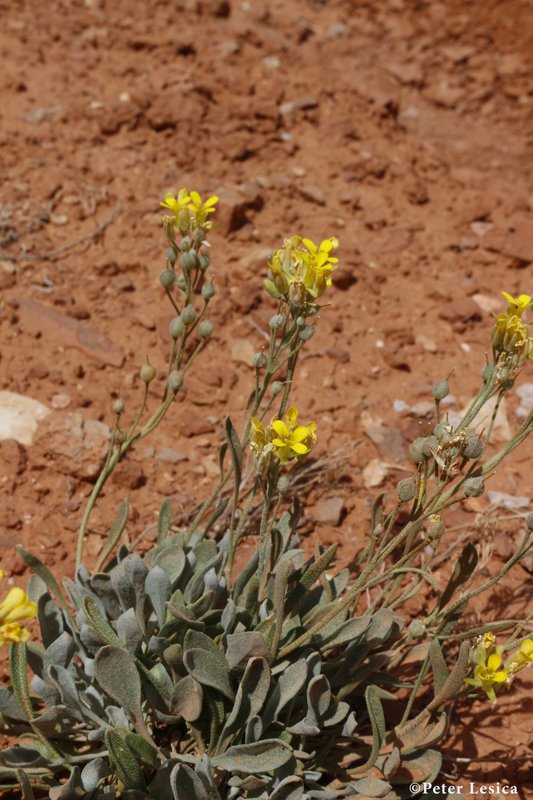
(327, 512)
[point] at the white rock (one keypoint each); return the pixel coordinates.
(492, 304)
(525, 393)
(374, 473)
(508, 501)
(20, 416)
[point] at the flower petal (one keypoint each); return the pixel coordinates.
(300, 434)
(299, 448)
(280, 427)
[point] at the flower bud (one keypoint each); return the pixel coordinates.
(185, 244)
(118, 407)
(283, 484)
(306, 333)
(277, 386)
(167, 278)
(276, 322)
(416, 450)
(259, 361)
(270, 286)
(199, 236)
(181, 283)
(147, 373)
(474, 487)
(205, 329)
(204, 260)
(176, 328)
(188, 315)
(417, 629)
(473, 447)
(172, 255)
(441, 390)
(529, 521)
(175, 380)
(208, 291)
(406, 489)
(188, 260)
(300, 322)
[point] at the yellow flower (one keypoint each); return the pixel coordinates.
(488, 674)
(15, 607)
(319, 265)
(300, 268)
(258, 438)
(175, 204)
(201, 210)
(510, 335)
(517, 305)
(522, 657)
(292, 440)
(13, 632)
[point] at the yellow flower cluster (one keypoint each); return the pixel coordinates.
(283, 438)
(301, 269)
(14, 608)
(187, 208)
(510, 334)
(490, 671)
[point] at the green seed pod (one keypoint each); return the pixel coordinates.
(406, 489)
(473, 447)
(175, 380)
(188, 315)
(147, 373)
(176, 328)
(441, 390)
(172, 255)
(430, 444)
(276, 322)
(204, 260)
(417, 629)
(259, 361)
(277, 387)
(300, 322)
(167, 278)
(283, 484)
(270, 286)
(529, 521)
(487, 373)
(416, 450)
(208, 291)
(306, 333)
(205, 329)
(118, 407)
(474, 487)
(185, 244)
(181, 283)
(440, 429)
(188, 260)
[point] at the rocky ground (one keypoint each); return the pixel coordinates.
(401, 127)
